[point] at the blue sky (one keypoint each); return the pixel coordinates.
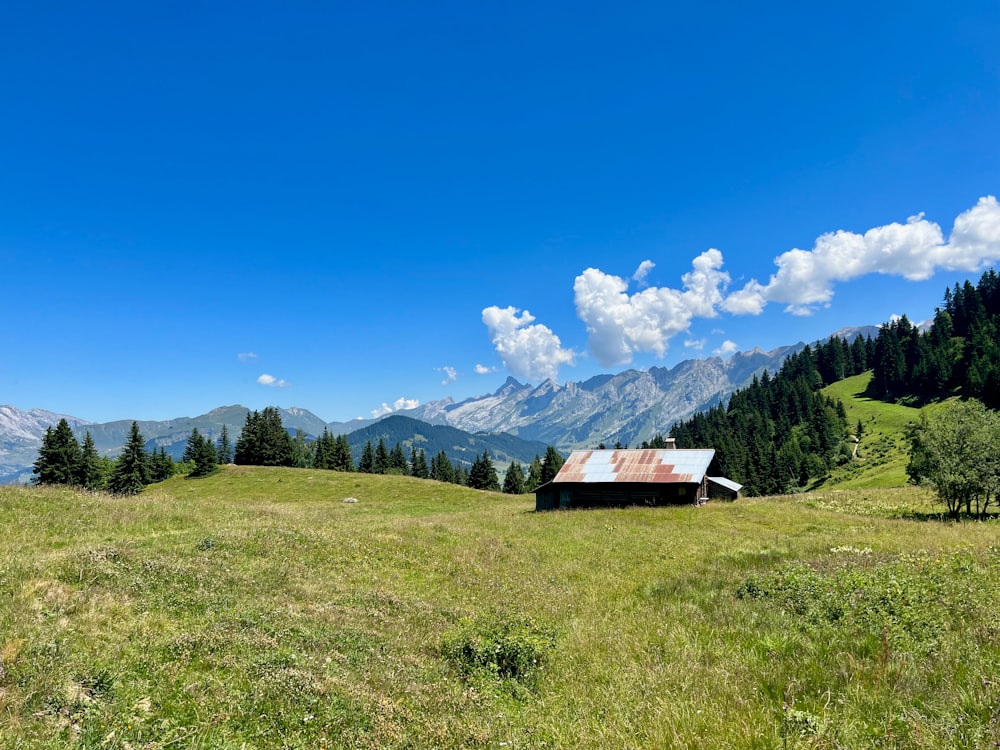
(341, 206)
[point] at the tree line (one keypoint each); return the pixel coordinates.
(781, 433)
(64, 460)
(264, 441)
(958, 354)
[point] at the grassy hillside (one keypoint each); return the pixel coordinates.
(883, 451)
(256, 609)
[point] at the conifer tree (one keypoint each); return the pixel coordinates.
(551, 464)
(131, 472)
(59, 457)
(192, 446)
(161, 466)
(91, 472)
(223, 447)
(343, 458)
(397, 461)
(367, 463)
(441, 468)
(418, 464)
(513, 481)
(204, 457)
(264, 441)
(534, 479)
(482, 475)
(381, 463)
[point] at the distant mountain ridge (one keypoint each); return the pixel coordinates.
(628, 407)
(460, 445)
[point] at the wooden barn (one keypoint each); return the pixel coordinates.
(651, 476)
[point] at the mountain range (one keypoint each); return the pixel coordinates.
(517, 421)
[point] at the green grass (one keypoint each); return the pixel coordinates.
(882, 453)
(255, 609)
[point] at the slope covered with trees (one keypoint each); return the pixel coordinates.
(958, 354)
(780, 433)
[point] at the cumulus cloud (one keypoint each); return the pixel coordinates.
(397, 405)
(450, 374)
(643, 271)
(914, 250)
(728, 347)
(696, 344)
(484, 370)
(620, 324)
(246, 356)
(527, 349)
(272, 382)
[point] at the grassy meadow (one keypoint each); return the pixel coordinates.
(882, 451)
(256, 609)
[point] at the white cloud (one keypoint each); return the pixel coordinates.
(620, 324)
(696, 344)
(643, 271)
(727, 348)
(272, 382)
(450, 374)
(246, 356)
(484, 370)
(914, 250)
(528, 351)
(397, 405)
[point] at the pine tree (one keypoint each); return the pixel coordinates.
(551, 464)
(397, 461)
(367, 463)
(161, 466)
(59, 457)
(192, 446)
(441, 468)
(343, 457)
(482, 475)
(91, 472)
(223, 447)
(264, 441)
(381, 463)
(131, 472)
(513, 482)
(418, 464)
(534, 479)
(204, 457)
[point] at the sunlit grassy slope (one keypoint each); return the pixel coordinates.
(882, 453)
(256, 609)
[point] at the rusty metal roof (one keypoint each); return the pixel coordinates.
(670, 465)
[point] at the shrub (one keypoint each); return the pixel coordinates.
(499, 647)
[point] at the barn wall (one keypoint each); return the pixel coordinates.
(613, 494)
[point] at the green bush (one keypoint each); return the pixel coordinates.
(500, 647)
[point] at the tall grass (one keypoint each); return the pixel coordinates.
(254, 608)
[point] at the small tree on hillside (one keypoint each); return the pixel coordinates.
(551, 464)
(366, 465)
(381, 464)
(513, 482)
(343, 458)
(223, 447)
(264, 441)
(200, 451)
(161, 466)
(91, 472)
(534, 479)
(58, 459)
(482, 475)
(418, 464)
(131, 472)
